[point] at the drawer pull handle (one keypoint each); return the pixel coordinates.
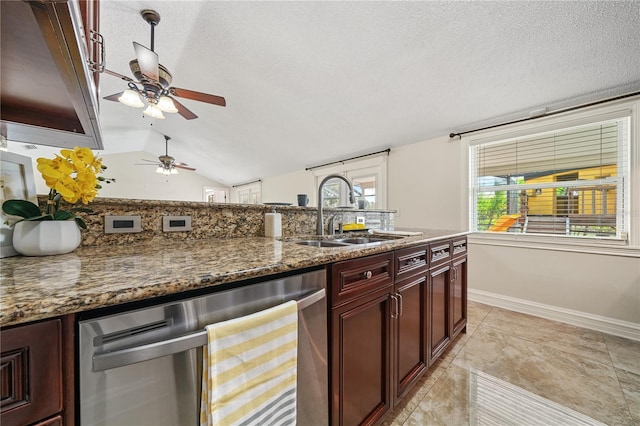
(367, 275)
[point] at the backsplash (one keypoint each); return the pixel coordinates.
(211, 220)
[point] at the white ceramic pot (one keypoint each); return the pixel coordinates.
(47, 237)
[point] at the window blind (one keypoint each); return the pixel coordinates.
(565, 182)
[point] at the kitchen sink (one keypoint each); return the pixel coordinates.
(360, 240)
(321, 243)
(341, 242)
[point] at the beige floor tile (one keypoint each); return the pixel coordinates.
(577, 382)
(447, 403)
(464, 397)
(510, 365)
(625, 353)
(630, 383)
(557, 335)
(411, 401)
(476, 313)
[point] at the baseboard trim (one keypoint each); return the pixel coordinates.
(581, 319)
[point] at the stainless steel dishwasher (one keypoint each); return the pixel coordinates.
(143, 366)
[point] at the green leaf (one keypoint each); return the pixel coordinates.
(63, 215)
(81, 223)
(22, 208)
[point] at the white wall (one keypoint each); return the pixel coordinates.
(426, 185)
(142, 182)
(285, 188)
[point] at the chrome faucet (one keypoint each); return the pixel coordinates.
(352, 199)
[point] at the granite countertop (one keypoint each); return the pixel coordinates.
(34, 288)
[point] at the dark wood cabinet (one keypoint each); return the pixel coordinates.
(410, 360)
(458, 296)
(439, 333)
(361, 339)
(37, 373)
(47, 92)
(447, 294)
(410, 292)
(361, 360)
(378, 333)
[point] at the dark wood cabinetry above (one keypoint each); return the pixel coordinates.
(48, 95)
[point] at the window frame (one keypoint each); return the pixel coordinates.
(375, 166)
(629, 244)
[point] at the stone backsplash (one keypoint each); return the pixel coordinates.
(212, 220)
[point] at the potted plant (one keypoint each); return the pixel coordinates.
(71, 176)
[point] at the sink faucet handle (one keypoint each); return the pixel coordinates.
(330, 225)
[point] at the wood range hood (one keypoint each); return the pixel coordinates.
(48, 95)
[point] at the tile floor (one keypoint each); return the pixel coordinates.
(517, 369)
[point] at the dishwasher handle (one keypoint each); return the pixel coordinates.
(122, 357)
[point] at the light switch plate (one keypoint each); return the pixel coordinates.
(176, 223)
(122, 224)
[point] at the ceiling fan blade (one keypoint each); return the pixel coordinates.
(146, 164)
(183, 110)
(150, 161)
(185, 167)
(113, 97)
(147, 60)
(120, 76)
(198, 96)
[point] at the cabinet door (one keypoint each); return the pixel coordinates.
(31, 373)
(458, 296)
(360, 362)
(90, 12)
(410, 326)
(439, 334)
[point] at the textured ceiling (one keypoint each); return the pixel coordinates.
(307, 82)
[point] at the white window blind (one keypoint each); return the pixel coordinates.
(569, 182)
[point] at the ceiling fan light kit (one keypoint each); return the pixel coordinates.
(131, 98)
(167, 165)
(167, 171)
(165, 104)
(154, 112)
(155, 80)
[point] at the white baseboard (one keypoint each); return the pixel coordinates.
(607, 325)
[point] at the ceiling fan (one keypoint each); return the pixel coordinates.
(167, 165)
(153, 82)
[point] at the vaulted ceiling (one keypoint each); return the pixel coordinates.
(308, 82)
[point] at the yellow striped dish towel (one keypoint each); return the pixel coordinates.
(250, 369)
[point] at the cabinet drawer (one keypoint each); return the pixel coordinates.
(411, 261)
(354, 278)
(439, 253)
(459, 247)
(31, 373)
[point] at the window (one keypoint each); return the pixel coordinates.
(248, 193)
(570, 181)
(369, 183)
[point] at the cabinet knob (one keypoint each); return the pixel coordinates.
(367, 274)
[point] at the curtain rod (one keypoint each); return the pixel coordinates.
(545, 114)
(388, 150)
(246, 183)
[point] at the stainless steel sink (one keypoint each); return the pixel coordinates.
(360, 240)
(341, 242)
(321, 243)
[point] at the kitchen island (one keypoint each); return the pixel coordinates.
(413, 287)
(35, 288)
